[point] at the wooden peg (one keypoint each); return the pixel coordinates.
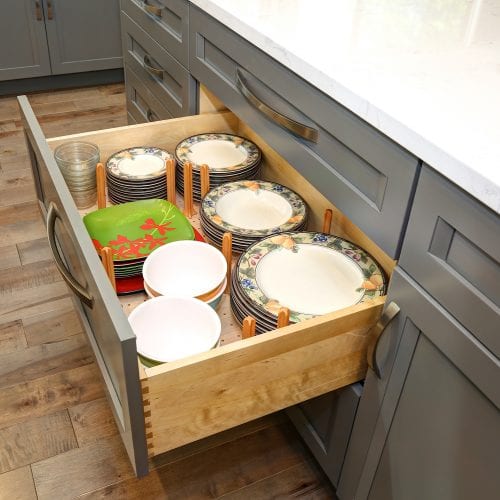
(227, 251)
(204, 180)
(107, 262)
(283, 317)
(188, 189)
(327, 221)
(248, 328)
(170, 168)
(101, 185)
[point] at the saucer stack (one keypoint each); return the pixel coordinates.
(309, 273)
(251, 210)
(137, 173)
(229, 158)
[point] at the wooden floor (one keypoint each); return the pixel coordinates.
(57, 436)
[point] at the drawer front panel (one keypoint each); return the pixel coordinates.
(141, 103)
(365, 174)
(166, 21)
(107, 329)
(452, 249)
(161, 73)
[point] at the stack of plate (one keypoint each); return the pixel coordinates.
(132, 231)
(251, 210)
(229, 158)
(137, 173)
(310, 273)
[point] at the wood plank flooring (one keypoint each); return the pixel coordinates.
(58, 438)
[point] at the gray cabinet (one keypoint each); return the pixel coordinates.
(437, 431)
(325, 424)
(83, 35)
(155, 48)
(23, 52)
(54, 37)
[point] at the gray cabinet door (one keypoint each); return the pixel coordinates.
(107, 329)
(23, 47)
(438, 430)
(325, 424)
(83, 35)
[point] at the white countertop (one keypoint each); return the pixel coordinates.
(425, 73)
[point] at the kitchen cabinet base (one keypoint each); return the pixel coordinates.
(26, 85)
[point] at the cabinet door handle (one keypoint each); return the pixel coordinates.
(297, 128)
(152, 9)
(152, 116)
(149, 67)
(38, 11)
(79, 290)
(391, 311)
(50, 10)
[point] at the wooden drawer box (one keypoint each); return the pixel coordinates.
(167, 21)
(452, 249)
(161, 408)
(142, 105)
(164, 77)
(368, 176)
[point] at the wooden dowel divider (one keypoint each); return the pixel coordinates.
(327, 221)
(188, 189)
(227, 251)
(204, 180)
(170, 172)
(283, 317)
(107, 261)
(248, 328)
(100, 175)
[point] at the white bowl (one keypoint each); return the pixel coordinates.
(171, 328)
(184, 269)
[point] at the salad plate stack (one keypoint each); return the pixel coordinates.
(229, 158)
(309, 273)
(134, 230)
(251, 210)
(137, 173)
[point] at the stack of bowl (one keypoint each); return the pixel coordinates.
(77, 162)
(186, 269)
(172, 328)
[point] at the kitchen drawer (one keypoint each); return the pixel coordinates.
(164, 407)
(142, 105)
(452, 249)
(325, 424)
(365, 174)
(167, 21)
(170, 82)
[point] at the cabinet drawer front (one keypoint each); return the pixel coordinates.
(169, 28)
(365, 174)
(452, 249)
(161, 73)
(142, 105)
(107, 329)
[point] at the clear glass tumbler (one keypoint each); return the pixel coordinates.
(77, 162)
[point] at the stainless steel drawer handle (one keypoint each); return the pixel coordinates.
(149, 67)
(300, 129)
(391, 311)
(78, 289)
(151, 116)
(152, 9)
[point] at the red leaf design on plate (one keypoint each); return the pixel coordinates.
(152, 241)
(120, 240)
(150, 224)
(97, 245)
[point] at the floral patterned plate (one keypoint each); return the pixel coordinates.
(221, 152)
(310, 273)
(254, 208)
(134, 230)
(138, 163)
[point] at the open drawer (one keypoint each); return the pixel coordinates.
(158, 409)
